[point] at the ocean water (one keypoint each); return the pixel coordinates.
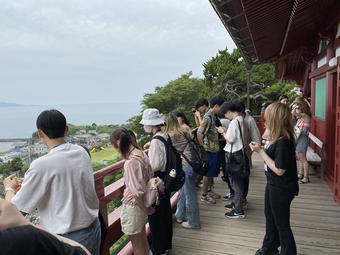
(19, 121)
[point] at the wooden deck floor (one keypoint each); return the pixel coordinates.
(315, 221)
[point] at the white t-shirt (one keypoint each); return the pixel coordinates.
(61, 186)
(233, 135)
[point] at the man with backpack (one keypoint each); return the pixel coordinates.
(166, 164)
(207, 135)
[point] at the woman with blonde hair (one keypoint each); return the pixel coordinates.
(282, 183)
(301, 112)
(187, 206)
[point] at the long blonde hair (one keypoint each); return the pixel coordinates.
(172, 126)
(278, 121)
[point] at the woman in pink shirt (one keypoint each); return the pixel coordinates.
(137, 173)
(302, 112)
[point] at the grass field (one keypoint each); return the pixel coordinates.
(106, 154)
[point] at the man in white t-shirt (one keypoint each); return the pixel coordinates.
(60, 185)
(234, 134)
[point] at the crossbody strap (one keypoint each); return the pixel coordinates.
(239, 127)
(182, 153)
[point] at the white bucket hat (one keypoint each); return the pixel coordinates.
(151, 117)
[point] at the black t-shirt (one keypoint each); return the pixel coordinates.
(30, 240)
(283, 154)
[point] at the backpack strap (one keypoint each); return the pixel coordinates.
(161, 138)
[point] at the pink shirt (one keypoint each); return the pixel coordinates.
(137, 173)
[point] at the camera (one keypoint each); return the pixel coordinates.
(193, 110)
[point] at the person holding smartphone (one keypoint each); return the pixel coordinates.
(282, 182)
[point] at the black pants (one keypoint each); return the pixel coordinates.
(161, 226)
(228, 179)
(278, 231)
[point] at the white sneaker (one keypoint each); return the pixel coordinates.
(208, 199)
(214, 195)
(186, 224)
(179, 221)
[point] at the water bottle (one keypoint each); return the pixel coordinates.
(171, 179)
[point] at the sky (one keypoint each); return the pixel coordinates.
(102, 51)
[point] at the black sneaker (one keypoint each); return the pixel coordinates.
(262, 252)
(230, 206)
(235, 215)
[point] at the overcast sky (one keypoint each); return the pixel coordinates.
(95, 51)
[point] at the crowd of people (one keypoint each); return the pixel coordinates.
(61, 184)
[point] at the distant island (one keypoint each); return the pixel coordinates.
(5, 104)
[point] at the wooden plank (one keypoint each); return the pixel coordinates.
(315, 220)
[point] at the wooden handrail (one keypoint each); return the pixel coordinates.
(112, 230)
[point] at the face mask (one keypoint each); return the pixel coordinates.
(147, 129)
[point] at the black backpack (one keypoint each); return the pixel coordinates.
(199, 157)
(173, 161)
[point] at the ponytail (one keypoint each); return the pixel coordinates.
(121, 135)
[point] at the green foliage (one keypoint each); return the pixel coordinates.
(5, 169)
(15, 165)
(178, 95)
(118, 245)
(275, 90)
(222, 71)
(106, 154)
(226, 75)
(142, 137)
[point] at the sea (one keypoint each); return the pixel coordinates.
(19, 121)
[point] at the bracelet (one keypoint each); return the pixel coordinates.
(9, 189)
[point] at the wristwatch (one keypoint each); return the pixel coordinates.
(9, 189)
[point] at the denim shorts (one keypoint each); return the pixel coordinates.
(90, 237)
(302, 144)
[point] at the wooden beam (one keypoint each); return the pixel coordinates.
(290, 22)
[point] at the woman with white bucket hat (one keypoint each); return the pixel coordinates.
(161, 221)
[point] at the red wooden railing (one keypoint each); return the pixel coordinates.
(111, 220)
(106, 195)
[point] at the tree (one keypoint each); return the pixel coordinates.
(178, 95)
(275, 90)
(226, 75)
(5, 169)
(16, 164)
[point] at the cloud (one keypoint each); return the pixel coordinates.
(126, 42)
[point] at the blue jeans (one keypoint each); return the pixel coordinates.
(187, 205)
(90, 237)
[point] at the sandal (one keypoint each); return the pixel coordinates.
(304, 180)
